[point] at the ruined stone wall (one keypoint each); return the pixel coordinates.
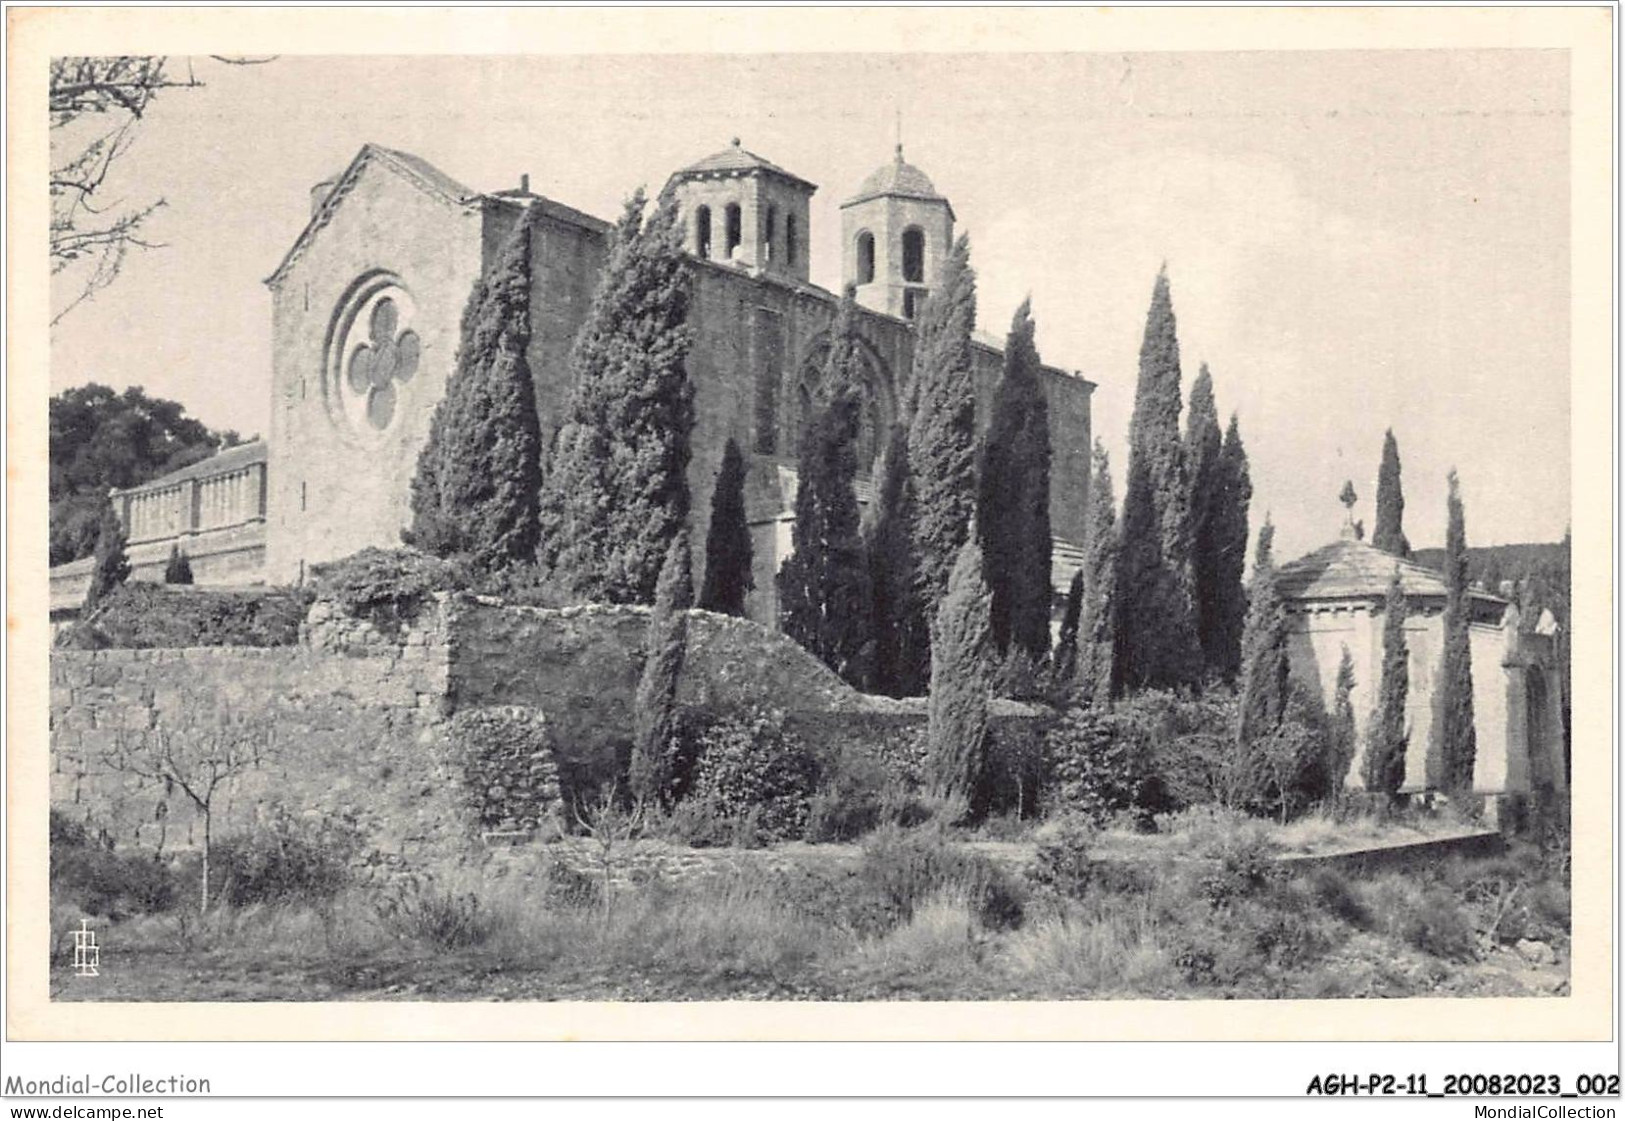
(348, 735)
(350, 723)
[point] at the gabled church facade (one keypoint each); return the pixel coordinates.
(367, 303)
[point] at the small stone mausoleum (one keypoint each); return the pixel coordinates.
(1334, 598)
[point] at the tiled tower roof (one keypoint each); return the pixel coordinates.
(897, 179)
(734, 159)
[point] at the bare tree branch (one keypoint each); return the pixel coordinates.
(90, 234)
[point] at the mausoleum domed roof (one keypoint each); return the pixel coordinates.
(1353, 569)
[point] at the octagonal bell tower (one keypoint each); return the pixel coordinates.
(895, 234)
(745, 211)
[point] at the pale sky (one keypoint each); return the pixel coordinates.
(1355, 240)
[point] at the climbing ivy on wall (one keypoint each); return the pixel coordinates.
(506, 761)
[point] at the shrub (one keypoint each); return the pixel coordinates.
(569, 886)
(1285, 926)
(1429, 918)
(748, 766)
(178, 570)
(868, 785)
(1245, 866)
(1095, 764)
(387, 587)
(88, 874)
(1187, 740)
(141, 615)
(524, 585)
(1013, 773)
(1441, 927)
(303, 858)
(510, 779)
(701, 821)
(1246, 928)
(1334, 894)
(1196, 954)
(1063, 863)
(422, 910)
(1547, 911)
(901, 869)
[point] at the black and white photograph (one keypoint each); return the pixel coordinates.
(853, 526)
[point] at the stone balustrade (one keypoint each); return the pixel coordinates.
(193, 505)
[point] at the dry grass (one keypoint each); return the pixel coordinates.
(1112, 952)
(914, 918)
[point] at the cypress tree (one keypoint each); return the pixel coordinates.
(478, 476)
(1097, 680)
(179, 568)
(1203, 448)
(1066, 643)
(1454, 737)
(112, 563)
(1233, 491)
(1389, 533)
(942, 424)
(1012, 510)
(1343, 725)
(654, 706)
(1265, 687)
(609, 520)
(901, 625)
(1384, 770)
(825, 597)
(728, 576)
(961, 681)
(1158, 641)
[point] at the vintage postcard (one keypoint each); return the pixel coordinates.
(894, 524)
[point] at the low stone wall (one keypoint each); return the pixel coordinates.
(349, 723)
(658, 861)
(580, 665)
(347, 736)
(592, 655)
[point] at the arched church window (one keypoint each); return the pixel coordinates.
(736, 230)
(789, 239)
(912, 299)
(913, 255)
(809, 399)
(702, 232)
(866, 258)
(770, 232)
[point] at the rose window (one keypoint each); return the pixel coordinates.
(379, 364)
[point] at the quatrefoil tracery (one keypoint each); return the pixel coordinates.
(383, 362)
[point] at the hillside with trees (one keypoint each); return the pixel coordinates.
(103, 440)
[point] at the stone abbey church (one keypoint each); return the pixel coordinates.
(366, 308)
